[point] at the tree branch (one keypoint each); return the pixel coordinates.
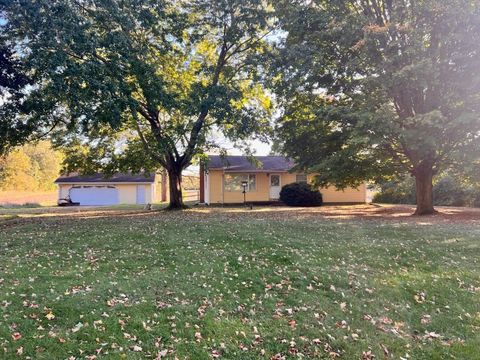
(197, 126)
(144, 141)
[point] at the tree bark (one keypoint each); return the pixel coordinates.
(164, 185)
(175, 188)
(424, 190)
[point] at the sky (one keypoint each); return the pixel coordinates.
(259, 148)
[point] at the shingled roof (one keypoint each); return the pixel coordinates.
(231, 163)
(101, 178)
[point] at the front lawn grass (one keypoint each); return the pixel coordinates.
(236, 286)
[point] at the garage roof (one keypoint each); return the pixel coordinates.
(101, 178)
(231, 163)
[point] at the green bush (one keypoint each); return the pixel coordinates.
(476, 199)
(396, 192)
(300, 194)
(449, 192)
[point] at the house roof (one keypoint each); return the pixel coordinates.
(100, 178)
(231, 163)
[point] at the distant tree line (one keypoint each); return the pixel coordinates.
(31, 167)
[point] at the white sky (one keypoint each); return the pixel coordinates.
(259, 148)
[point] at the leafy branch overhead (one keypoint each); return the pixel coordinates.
(13, 80)
(161, 74)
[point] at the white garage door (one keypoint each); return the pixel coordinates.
(94, 195)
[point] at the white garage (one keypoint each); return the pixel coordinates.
(120, 188)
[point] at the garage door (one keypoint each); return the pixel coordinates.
(94, 195)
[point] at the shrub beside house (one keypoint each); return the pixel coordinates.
(300, 194)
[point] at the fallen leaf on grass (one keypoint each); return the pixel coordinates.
(385, 350)
(161, 354)
(420, 297)
(367, 355)
(426, 319)
(432, 335)
(136, 348)
(77, 327)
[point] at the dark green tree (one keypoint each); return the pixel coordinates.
(13, 81)
(373, 89)
(141, 83)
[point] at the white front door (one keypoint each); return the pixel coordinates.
(275, 186)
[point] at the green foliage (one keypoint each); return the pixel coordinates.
(300, 194)
(448, 190)
(400, 191)
(116, 78)
(13, 80)
(476, 199)
(379, 88)
(31, 167)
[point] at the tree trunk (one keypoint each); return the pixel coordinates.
(175, 187)
(164, 185)
(424, 190)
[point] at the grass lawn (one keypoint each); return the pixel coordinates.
(237, 284)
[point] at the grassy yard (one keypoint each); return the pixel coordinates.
(237, 284)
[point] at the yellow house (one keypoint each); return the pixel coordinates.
(223, 177)
(121, 188)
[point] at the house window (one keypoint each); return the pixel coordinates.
(301, 178)
(234, 182)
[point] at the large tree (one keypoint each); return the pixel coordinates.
(379, 87)
(141, 81)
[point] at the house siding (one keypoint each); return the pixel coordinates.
(217, 195)
(156, 190)
(349, 195)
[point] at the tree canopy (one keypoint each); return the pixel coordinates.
(13, 81)
(376, 88)
(141, 83)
